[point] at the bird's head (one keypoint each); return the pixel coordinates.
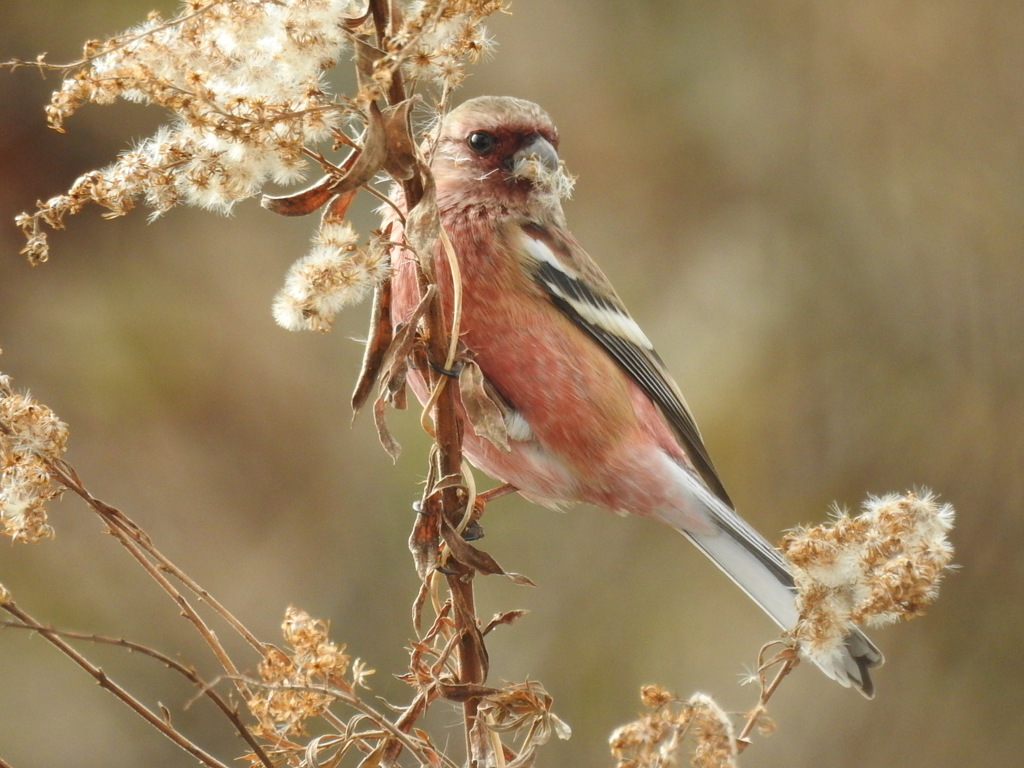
(500, 150)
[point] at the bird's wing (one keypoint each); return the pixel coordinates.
(578, 288)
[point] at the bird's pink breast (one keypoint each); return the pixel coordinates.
(597, 437)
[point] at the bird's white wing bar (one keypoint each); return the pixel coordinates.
(604, 318)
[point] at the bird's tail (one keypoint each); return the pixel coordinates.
(758, 569)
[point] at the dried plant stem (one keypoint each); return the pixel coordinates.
(349, 699)
(447, 502)
(156, 564)
(789, 660)
(230, 712)
(155, 720)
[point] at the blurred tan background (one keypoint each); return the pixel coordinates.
(815, 209)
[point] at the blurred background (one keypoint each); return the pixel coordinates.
(814, 209)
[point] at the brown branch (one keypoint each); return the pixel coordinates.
(789, 659)
(157, 721)
(141, 548)
(205, 689)
(449, 499)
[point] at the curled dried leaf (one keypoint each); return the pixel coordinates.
(370, 159)
(466, 554)
(395, 364)
(401, 155)
(366, 58)
(423, 223)
(387, 440)
(339, 186)
(301, 203)
(507, 617)
(484, 407)
(337, 207)
(356, 19)
(377, 343)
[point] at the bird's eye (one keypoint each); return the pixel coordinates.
(482, 142)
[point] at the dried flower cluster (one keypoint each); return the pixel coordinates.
(298, 683)
(335, 273)
(656, 739)
(523, 708)
(438, 39)
(882, 566)
(243, 79)
(31, 435)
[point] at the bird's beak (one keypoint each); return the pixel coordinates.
(535, 149)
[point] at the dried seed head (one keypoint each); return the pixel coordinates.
(31, 436)
(335, 273)
(882, 566)
(656, 739)
(299, 681)
(244, 81)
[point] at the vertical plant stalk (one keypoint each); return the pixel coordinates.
(444, 498)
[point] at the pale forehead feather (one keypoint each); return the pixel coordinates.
(493, 112)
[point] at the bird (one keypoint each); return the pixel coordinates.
(590, 412)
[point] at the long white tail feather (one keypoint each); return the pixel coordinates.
(757, 568)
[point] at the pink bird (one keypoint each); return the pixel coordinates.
(591, 413)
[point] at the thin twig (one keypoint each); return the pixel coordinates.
(139, 546)
(165, 564)
(789, 660)
(155, 720)
(353, 701)
(187, 672)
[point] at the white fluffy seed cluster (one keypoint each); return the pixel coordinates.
(31, 435)
(881, 566)
(658, 738)
(334, 273)
(243, 79)
(245, 83)
(438, 39)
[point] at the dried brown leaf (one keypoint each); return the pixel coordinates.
(387, 440)
(423, 543)
(427, 748)
(394, 367)
(483, 410)
(423, 223)
(466, 554)
(401, 155)
(379, 339)
(370, 158)
(339, 187)
(507, 617)
(373, 759)
(301, 203)
(356, 20)
(337, 207)
(366, 57)
(465, 691)
(396, 358)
